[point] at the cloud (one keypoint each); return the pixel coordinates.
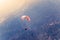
(2, 20)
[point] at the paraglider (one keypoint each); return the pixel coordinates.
(28, 19)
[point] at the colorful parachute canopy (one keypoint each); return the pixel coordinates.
(25, 17)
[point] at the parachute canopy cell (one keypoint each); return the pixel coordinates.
(25, 17)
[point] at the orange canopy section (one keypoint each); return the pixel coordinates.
(25, 17)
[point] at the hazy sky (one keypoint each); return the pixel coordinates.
(43, 13)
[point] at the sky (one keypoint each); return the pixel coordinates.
(44, 24)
